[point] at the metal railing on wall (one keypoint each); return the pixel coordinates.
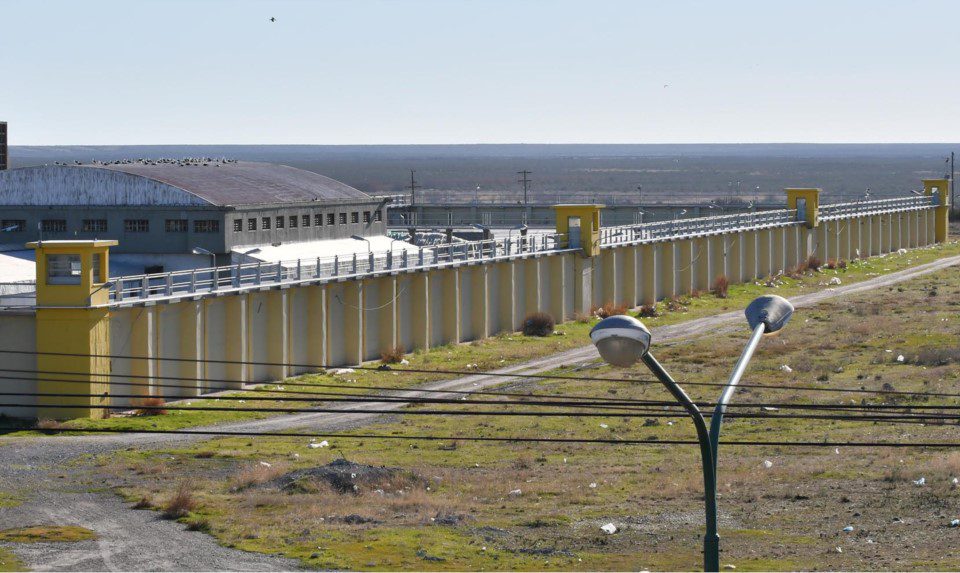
(699, 226)
(266, 274)
(876, 207)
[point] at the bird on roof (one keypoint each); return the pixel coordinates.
(272, 19)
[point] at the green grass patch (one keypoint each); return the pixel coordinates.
(10, 562)
(47, 534)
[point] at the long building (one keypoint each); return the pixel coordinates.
(176, 206)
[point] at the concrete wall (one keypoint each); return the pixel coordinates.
(18, 332)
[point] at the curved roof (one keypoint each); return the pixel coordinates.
(219, 183)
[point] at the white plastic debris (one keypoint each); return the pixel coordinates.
(341, 371)
(767, 464)
(770, 409)
(838, 550)
(786, 368)
(836, 450)
(266, 464)
(322, 444)
(955, 481)
(955, 523)
(888, 351)
(834, 281)
(405, 362)
(901, 251)
(295, 456)
(604, 426)
(730, 566)
(515, 492)
(848, 528)
(609, 528)
(593, 485)
(900, 358)
(921, 481)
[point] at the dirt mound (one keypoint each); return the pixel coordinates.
(344, 476)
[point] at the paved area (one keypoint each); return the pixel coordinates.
(38, 468)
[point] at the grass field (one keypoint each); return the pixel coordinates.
(511, 348)
(471, 505)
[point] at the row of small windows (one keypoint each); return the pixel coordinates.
(294, 221)
(100, 225)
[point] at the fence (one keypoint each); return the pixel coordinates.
(685, 228)
(877, 207)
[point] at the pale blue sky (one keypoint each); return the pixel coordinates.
(446, 71)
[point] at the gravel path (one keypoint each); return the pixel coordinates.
(36, 468)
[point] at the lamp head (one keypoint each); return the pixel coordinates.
(770, 310)
(621, 340)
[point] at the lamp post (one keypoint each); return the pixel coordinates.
(202, 251)
(624, 340)
(359, 238)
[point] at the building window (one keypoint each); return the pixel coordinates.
(63, 269)
(136, 225)
(355, 217)
(175, 225)
(265, 223)
(305, 220)
(94, 226)
(97, 278)
(206, 226)
(330, 219)
(343, 218)
(280, 222)
(237, 225)
(366, 216)
(318, 220)
(252, 224)
(13, 225)
(293, 221)
(53, 226)
(378, 216)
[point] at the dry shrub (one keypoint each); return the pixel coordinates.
(392, 355)
(181, 503)
(538, 324)
(935, 356)
(152, 406)
(721, 286)
(610, 309)
(648, 311)
(145, 502)
(582, 318)
(48, 424)
(814, 263)
(256, 475)
(676, 304)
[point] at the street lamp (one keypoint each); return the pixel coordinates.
(252, 251)
(202, 251)
(623, 341)
(359, 238)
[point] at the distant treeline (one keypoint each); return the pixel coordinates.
(609, 173)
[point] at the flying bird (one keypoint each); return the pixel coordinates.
(666, 85)
(272, 19)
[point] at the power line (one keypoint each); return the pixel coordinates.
(517, 439)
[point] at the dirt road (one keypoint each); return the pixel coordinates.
(37, 468)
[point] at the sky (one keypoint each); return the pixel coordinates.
(482, 71)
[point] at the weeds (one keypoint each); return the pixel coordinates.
(181, 503)
(392, 355)
(721, 286)
(648, 311)
(152, 406)
(609, 309)
(814, 263)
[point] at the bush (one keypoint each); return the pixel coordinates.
(47, 424)
(144, 503)
(181, 503)
(149, 406)
(648, 311)
(538, 324)
(392, 355)
(721, 286)
(582, 318)
(814, 263)
(610, 309)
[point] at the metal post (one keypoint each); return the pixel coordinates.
(711, 539)
(728, 390)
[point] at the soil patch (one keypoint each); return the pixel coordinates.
(344, 476)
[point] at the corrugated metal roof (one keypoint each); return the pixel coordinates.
(243, 182)
(193, 182)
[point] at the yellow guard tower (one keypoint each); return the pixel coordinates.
(71, 284)
(940, 187)
(581, 225)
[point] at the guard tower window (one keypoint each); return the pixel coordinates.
(355, 217)
(318, 220)
(330, 218)
(13, 225)
(63, 269)
(136, 225)
(97, 278)
(175, 225)
(366, 216)
(53, 226)
(94, 225)
(378, 216)
(306, 220)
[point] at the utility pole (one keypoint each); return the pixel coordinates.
(526, 183)
(413, 189)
